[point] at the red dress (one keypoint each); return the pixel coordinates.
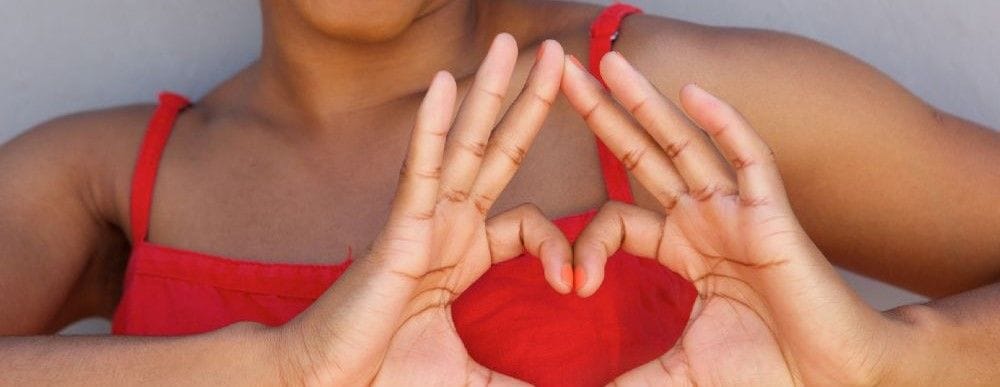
(510, 320)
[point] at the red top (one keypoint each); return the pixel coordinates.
(510, 320)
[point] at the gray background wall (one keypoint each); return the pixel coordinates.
(62, 56)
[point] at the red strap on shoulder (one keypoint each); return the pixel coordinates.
(603, 33)
(148, 163)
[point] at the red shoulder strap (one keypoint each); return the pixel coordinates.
(603, 33)
(148, 163)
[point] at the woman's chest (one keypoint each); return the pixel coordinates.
(255, 200)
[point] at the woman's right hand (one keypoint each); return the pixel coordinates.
(771, 310)
(387, 320)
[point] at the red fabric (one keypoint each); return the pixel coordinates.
(510, 320)
(603, 33)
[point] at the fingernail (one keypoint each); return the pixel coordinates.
(697, 90)
(614, 55)
(541, 51)
(502, 35)
(576, 62)
(580, 279)
(567, 276)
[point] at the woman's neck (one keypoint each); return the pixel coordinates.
(313, 79)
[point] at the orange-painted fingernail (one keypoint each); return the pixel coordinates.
(567, 276)
(580, 278)
(576, 62)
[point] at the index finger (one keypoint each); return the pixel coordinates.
(633, 146)
(419, 180)
(756, 170)
(519, 126)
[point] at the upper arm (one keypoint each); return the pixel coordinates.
(884, 183)
(58, 223)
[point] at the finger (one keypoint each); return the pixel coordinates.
(616, 226)
(419, 179)
(482, 376)
(519, 126)
(691, 152)
(756, 171)
(632, 145)
(668, 370)
(467, 143)
(526, 229)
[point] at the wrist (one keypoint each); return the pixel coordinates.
(253, 352)
(340, 339)
(918, 354)
(301, 356)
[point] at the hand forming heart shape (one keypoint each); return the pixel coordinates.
(771, 308)
(729, 229)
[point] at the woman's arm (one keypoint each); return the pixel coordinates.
(771, 309)
(241, 354)
(60, 250)
(885, 184)
(951, 341)
(387, 320)
(57, 245)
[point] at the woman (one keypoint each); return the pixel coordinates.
(247, 167)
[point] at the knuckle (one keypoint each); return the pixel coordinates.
(753, 201)
(671, 197)
(541, 97)
(482, 203)
(529, 209)
(721, 128)
(639, 106)
(514, 153)
(612, 207)
(408, 171)
(675, 148)
(474, 147)
(710, 190)
(497, 96)
(455, 195)
(742, 162)
(421, 215)
(632, 157)
(590, 112)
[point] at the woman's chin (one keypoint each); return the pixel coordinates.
(361, 21)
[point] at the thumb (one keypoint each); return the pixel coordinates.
(526, 229)
(342, 337)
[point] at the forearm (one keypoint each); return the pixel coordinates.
(951, 341)
(242, 354)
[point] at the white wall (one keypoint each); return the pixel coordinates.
(60, 56)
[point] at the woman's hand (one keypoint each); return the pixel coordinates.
(772, 310)
(388, 319)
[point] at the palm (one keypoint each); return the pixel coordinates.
(438, 240)
(730, 338)
(426, 350)
(726, 343)
(731, 251)
(771, 310)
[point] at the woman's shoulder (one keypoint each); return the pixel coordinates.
(102, 135)
(95, 150)
(80, 128)
(673, 53)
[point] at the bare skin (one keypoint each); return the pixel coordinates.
(239, 177)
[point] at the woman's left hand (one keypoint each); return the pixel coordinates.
(387, 320)
(469, 171)
(771, 309)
